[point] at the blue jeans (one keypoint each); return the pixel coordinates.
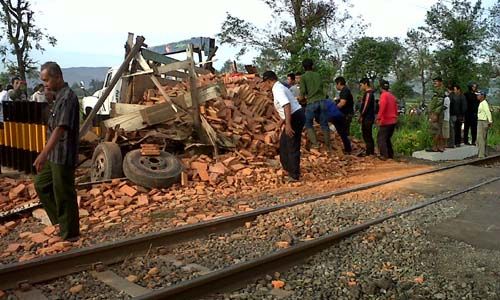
(317, 111)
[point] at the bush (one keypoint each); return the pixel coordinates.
(412, 134)
(494, 132)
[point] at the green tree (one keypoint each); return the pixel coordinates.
(459, 31)
(416, 43)
(300, 29)
(4, 79)
(22, 36)
(370, 57)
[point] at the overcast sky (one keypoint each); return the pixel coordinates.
(92, 32)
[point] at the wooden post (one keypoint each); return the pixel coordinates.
(88, 122)
(194, 94)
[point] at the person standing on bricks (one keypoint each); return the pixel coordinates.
(311, 89)
(293, 116)
(367, 115)
(386, 119)
(484, 122)
(55, 165)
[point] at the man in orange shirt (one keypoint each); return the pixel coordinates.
(386, 119)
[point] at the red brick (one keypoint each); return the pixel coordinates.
(131, 192)
(237, 167)
(95, 192)
(49, 230)
(39, 238)
(142, 200)
(218, 168)
(15, 192)
(10, 225)
(13, 247)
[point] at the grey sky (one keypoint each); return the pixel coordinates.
(92, 32)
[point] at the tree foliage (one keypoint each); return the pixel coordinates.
(417, 46)
(20, 36)
(300, 29)
(372, 58)
(459, 31)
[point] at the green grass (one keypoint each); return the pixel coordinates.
(494, 132)
(412, 134)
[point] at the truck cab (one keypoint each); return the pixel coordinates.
(89, 102)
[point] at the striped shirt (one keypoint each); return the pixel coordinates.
(65, 113)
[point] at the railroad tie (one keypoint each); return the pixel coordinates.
(121, 284)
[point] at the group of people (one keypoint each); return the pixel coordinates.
(450, 108)
(16, 91)
(303, 100)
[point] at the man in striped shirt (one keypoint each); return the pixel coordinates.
(55, 165)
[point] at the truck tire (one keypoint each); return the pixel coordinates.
(160, 171)
(106, 162)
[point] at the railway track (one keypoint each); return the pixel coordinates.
(96, 258)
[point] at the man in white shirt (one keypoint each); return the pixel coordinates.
(446, 119)
(293, 116)
(294, 87)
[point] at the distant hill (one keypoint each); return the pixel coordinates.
(85, 74)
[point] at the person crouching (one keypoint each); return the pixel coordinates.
(293, 119)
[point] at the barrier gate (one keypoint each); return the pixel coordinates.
(23, 135)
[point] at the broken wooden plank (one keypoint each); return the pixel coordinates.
(129, 122)
(120, 109)
(158, 113)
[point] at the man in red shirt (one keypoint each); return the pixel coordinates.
(386, 119)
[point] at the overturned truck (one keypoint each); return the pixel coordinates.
(168, 106)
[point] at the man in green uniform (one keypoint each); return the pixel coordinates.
(436, 114)
(312, 91)
(55, 165)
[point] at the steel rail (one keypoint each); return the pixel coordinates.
(54, 266)
(238, 274)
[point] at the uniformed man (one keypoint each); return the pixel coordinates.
(55, 165)
(436, 115)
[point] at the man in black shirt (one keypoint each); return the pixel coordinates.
(345, 102)
(367, 115)
(471, 114)
(458, 107)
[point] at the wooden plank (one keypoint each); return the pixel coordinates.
(158, 114)
(120, 109)
(129, 122)
(120, 284)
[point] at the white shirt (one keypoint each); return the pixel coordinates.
(446, 104)
(283, 96)
(4, 96)
(38, 97)
(295, 89)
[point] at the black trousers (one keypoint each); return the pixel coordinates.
(384, 136)
(458, 131)
(348, 121)
(290, 146)
(470, 125)
(366, 129)
(341, 126)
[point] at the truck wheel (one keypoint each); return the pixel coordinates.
(160, 171)
(106, 162)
